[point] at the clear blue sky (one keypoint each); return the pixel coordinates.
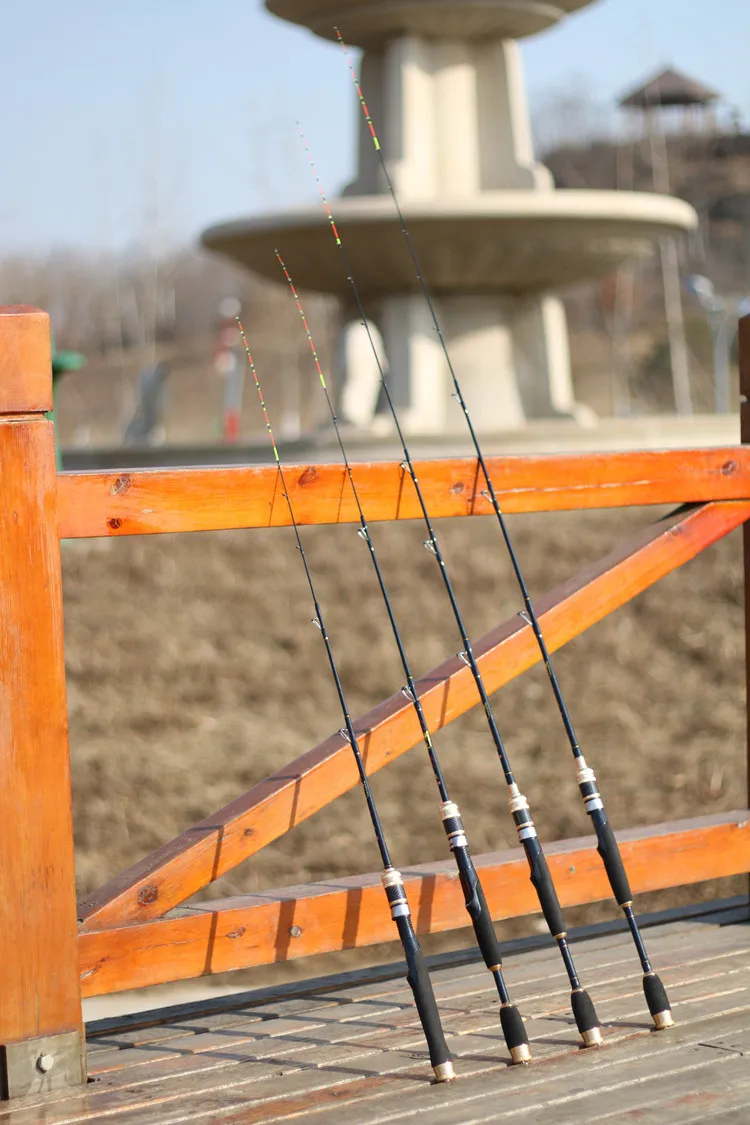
(104, 100)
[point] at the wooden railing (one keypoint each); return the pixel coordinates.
(136, 930)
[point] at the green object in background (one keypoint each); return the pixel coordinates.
(62, 364)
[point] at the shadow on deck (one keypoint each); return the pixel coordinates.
(348, 1049)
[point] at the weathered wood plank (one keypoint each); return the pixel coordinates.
(744, 362)
(573, 1074)
(643, 1086)
(566, 1077)
(153, 501)
(677, 1102)
(215, 845)
(619, 1001)
(346, 914)
(325, 1063)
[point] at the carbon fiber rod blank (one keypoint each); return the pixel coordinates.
(581, 1003)
(393, 884)
(607, 846)
(512, 1024)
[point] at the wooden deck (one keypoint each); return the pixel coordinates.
(348, 1050)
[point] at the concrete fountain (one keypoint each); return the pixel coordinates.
(444, 82)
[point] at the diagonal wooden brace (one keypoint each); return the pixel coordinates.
(180, 868)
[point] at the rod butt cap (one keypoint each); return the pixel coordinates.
(521, 1055)
(445, 1071)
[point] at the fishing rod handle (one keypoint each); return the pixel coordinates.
(658, 1001)
(418, 977)
(607, 845)
(515, 1034)
(474, 900)
(538, 868)
(586, 1018)
(544, 887)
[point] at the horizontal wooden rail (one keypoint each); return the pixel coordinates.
(218, 843)
(151, 501)
(277, 926)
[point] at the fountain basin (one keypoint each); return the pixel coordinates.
(369, 22)
(510, 242)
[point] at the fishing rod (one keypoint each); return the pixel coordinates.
(393, 883)
(581, 1003)
(511, 1022)
(607, 846)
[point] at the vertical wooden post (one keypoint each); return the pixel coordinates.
(744, 355)
(41, 1034)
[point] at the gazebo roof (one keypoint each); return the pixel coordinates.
(668, 88)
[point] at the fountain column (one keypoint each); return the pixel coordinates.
(455, 124)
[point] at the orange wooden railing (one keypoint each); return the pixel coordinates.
(129, 933)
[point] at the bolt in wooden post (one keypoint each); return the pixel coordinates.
(41, 1032)
(744, 355)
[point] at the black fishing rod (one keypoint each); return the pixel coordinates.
(511, 1022)
(607, 846)
(393, 883)
(581, 1003)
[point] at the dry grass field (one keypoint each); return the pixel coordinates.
(194, 670)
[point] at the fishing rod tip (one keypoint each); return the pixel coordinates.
(445, 1071)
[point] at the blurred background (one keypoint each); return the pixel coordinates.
(134, 128)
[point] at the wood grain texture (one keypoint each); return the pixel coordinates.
(348, 1050)
(152, 501)
(39, 992)
(349, 913)
(743, 344)
(25, 361)
(215, 845)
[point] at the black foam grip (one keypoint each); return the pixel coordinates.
(421, 986)
(513, 1027)
(584, 1011)
(545, 888)
(656, 995)
(609, 850)
(478, 910)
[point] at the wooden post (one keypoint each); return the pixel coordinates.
(744, 355)
(41, 1031)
